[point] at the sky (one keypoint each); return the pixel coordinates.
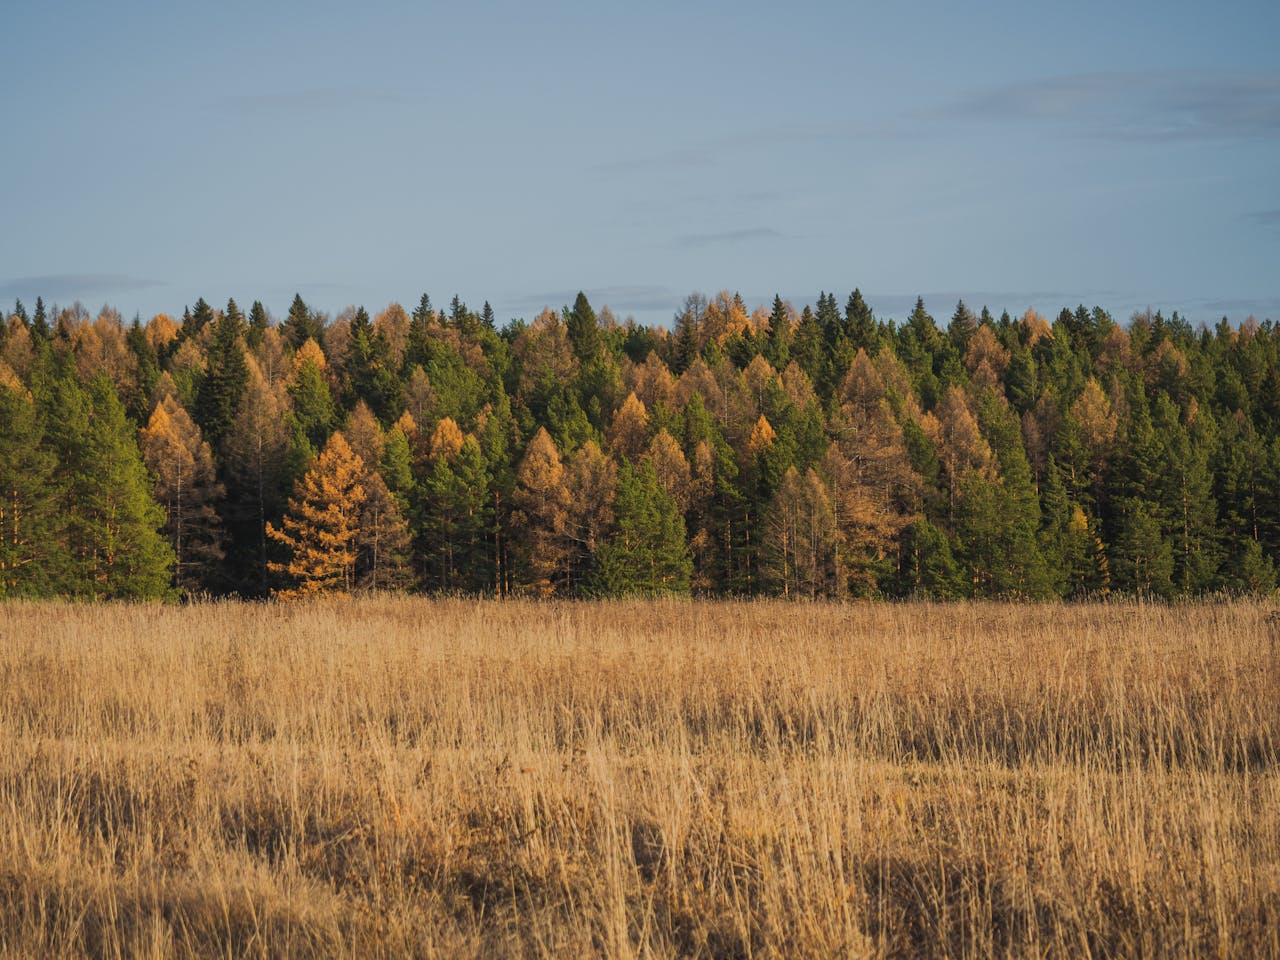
(1012, 155)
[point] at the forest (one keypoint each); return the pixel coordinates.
(814, 453)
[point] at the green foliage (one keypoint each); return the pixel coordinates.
(225, 376)
(33, 561)
(648, 554)
(1094, 459)
(112, 545)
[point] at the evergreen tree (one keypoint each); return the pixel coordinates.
(1144, 556)
(301, 325)
(40, 323)
(195, 320)
(113, 525)
(860, 325)
(225, 376)
(777, 348)
(647, 554)
(928, 567)
(455, 515)
(583, 329)
(148, 368)
(1185, 484)
(259, 323)
(33, 562)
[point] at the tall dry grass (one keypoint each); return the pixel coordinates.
(416, 778)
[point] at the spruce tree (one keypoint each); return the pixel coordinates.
(860, 325)
(777, 348)
(301, 325)
(258, 325)
(583, 329)
(225, 376)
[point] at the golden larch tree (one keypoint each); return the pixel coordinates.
(541, 514)
(320, 528)
(629, 433)
(186, 485)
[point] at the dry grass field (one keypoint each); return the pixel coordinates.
(404, 777)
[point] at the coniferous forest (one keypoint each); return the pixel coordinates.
(822, 452)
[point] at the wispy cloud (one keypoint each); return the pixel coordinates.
(722, 237)
(74, 286)
(1188, 105)
(1237, 308)
(316, 99)
(694, 155)
(1265, 218)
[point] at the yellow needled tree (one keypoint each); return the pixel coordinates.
(320, 528)
(186, 486)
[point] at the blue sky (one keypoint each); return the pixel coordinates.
(1013, 154)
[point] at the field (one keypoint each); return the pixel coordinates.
(454, 778)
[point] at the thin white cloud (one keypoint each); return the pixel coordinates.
(1190, 105)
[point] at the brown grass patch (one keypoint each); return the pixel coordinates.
(454, 778)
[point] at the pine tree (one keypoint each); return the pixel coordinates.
(1144, 556)
(112, 523)
(928, 567)
(32, 555)
(647, 554)
(1185, 484)
(319, 529)
(195, 320)
(186, 486)
(454, 510)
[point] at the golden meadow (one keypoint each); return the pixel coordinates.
(408, 777)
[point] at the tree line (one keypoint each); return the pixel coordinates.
(820, 452)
